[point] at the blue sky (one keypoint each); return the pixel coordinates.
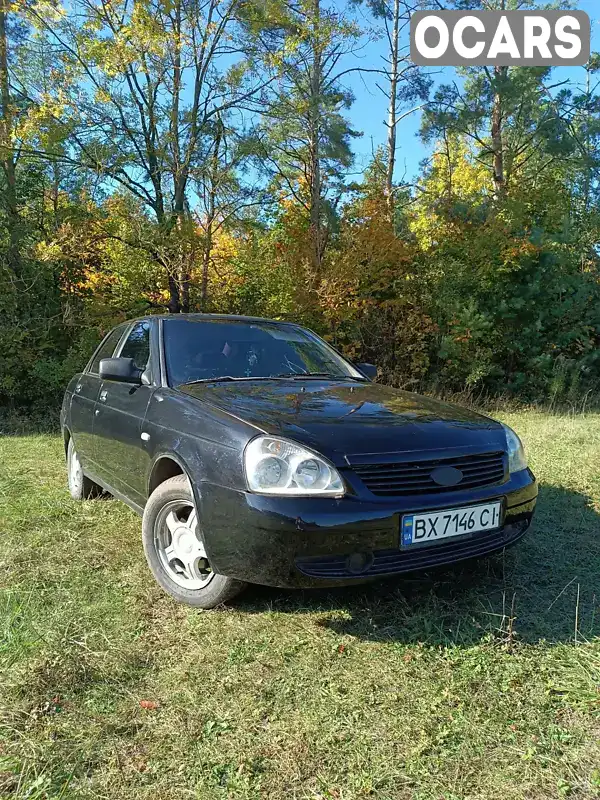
(369, 110)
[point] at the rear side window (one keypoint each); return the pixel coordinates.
(106, 349)
(137, 345)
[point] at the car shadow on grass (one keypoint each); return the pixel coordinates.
(547, 587)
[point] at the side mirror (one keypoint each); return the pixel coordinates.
(120, 369)
(368, 370)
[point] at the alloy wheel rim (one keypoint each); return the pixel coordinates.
(75, 475)
(179, 546)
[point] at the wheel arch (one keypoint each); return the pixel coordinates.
(165, 466)
(66, 439)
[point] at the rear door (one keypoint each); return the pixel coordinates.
(120, 452)
(83, 400)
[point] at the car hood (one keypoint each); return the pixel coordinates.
(352, 422)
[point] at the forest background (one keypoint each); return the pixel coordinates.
(284, 158)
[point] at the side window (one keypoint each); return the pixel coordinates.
(137, 345)
(106, 349)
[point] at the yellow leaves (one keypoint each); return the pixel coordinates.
(96, 282)
(145, 34)
(101, 96)
(372, 251)
(223, 276)
(235, 74)
(48, 251)
(47, 11)
(123, 39)
(225, 246)
(456, 177)
(455, 168)
(277, 58)
(46, 124)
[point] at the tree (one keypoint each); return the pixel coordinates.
(373, 296)
(305, 142)
(583, 106)
(508, 113)
(223, 200)
(403, 82)
(142, 88)
(8, 156)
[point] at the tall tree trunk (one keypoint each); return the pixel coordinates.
(55, 194)
(211, 214)
(449, 181)
(587, 163)
(165, 224)
(174, 304)
(206, 265)
(185, 280)
(497, 133)
(7, 159)
(180, 280)
(392, 122)
(316, 237)
(182, 256)
(500, 74)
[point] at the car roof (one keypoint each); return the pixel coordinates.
(197, 316)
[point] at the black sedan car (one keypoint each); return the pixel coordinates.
(256, 453)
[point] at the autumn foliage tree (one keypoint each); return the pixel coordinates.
(199, 155)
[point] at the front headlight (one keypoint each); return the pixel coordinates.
(278, 466)
(516, 455)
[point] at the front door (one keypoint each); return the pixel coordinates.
(83, 402)
(119, 450)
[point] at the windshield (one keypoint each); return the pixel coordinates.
(201, 350)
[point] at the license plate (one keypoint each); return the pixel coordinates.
(437, 525)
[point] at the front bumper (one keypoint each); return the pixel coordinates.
(308, 542)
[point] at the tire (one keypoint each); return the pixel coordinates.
(174, 548)
(80, 486)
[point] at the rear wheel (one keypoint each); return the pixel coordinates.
(174, 548)
(80, 486)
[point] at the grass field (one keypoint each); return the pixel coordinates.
(477, 682)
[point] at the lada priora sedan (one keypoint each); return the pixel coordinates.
(255, 452)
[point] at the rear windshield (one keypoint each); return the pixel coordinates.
(205, 349)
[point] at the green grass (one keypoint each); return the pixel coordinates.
(477, 682)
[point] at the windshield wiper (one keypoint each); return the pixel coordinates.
(280, 376)
(219, 379)
(225, 378)
(309, 375)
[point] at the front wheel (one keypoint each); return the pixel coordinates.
(175, 551)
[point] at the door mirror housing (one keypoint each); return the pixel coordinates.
(122, 370)
(368, 370)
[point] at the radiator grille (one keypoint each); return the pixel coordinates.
(390, 480)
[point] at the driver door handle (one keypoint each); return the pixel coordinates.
(78, 388)
(103, 396)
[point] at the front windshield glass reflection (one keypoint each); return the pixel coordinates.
(201, 350)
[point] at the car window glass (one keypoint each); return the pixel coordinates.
(137, 345)
(107, 348)
(200, 350)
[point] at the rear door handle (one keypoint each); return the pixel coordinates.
(78, 388)
(103, 396)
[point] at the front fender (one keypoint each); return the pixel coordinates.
(207, 446)
(192, 466)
